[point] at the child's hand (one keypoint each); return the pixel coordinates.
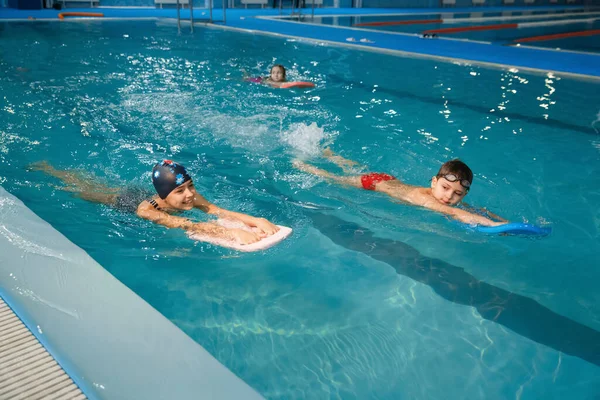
(265, 227)
(243, 237)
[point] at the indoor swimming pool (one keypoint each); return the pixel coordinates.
(368, 298)
(562, 29)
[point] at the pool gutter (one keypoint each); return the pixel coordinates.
(112, 343)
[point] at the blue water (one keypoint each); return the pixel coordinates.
(369, 298)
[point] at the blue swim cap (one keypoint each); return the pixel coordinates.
(167, 175)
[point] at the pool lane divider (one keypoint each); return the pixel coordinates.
(409, 22)
(473, 28)
(509, 26)
(474, 19)
(558, 36)
(79, 14)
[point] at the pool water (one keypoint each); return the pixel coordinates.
(368, 298)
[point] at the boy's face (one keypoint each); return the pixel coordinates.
(182, 197)
(446, 192)
(277, 74)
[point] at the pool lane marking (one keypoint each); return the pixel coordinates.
(509, 26)
(408, 22)
(558, 36)
(467, 20)
(473, 28)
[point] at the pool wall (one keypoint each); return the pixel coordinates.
(465, 3)
(333, 3)
(111, 342)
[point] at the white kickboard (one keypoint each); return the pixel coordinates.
(262, 244)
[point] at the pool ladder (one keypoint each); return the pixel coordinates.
(299, 13)
(191, 5)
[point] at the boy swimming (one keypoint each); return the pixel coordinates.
(448, 188)
(175, 191)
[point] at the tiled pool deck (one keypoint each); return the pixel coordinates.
(27, 370)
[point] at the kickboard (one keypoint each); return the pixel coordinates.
(262, 244)
(515, 228)
(297, 85)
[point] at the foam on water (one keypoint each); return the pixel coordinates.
(305, 141)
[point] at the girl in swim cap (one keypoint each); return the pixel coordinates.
(175, 191)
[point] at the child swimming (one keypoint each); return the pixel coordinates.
(175, 191)
(448, 188)
(275, 79)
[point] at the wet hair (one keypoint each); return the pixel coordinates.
(167, 176)
(278, 66)
(456, 167)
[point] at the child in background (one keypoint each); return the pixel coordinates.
(275, 78)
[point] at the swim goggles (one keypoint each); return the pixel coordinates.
(453, 178)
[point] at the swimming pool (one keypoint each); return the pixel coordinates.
(368, 299)
(509, 27)
(417, 22)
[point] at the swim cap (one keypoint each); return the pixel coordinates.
(167, 175)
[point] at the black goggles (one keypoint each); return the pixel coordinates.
(453, 178)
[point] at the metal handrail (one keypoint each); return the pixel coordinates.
(191, 5)
(178, 19)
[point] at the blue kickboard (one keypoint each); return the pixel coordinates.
(515, 228)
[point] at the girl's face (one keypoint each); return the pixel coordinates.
(182, 197)
(277, 74)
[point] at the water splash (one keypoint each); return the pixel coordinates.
(305, 141)
(596, 122)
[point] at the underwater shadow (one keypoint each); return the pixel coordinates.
(518, 313)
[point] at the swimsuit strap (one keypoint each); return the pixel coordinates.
(153, 202)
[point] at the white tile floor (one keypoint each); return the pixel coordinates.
(27, 370)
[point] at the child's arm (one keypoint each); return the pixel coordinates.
(269, 82)
(172, 221)
(266, 227)
(462, 215)
(423, 198)
(485, 211)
